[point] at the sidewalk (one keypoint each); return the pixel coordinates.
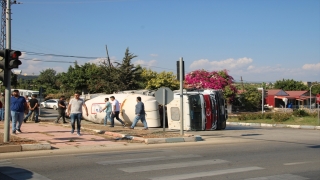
(59, 137)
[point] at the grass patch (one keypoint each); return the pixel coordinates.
(307, 120)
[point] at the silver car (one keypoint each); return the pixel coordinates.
(50, 103)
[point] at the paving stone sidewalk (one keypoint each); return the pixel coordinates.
(60, 137)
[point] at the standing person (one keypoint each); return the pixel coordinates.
(2, 107)
(115, 111)
(140, 114)
(33, 105)
(108, 109)
(61, 110)
(18, 106)
(75, 112)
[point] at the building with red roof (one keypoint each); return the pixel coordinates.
(277, 98)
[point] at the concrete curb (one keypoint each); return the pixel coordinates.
(34, 147)
(25, 147)
(156, 140)
(275, 125)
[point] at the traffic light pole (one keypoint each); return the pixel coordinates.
(8, 87)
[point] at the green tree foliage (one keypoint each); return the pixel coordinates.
(47, 79)
(14, 80)
(315, 88)
(128, 73)
(163, 79)
(146, 76)
(92, 78)
(81, 78)
(290, 85)
(250, 99)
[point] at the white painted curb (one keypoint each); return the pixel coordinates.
(274, 125)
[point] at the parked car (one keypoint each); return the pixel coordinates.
(50, 103)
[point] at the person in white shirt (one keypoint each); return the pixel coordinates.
(115, 111)
(74, 110)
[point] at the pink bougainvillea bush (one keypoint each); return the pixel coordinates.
(220, 80)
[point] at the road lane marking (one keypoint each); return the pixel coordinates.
(172, 165)
(104, 154)
(297, 163)
(206, 174)
(159, 158)
(280, 177)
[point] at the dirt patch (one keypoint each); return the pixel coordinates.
(151, 133)
(138, 132)
(15, 140)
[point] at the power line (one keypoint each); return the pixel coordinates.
(74, 2)
(46, 60)
(82, 57)
(59, 55)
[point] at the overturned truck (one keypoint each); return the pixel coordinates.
(203, 110)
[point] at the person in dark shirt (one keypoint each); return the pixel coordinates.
(33, 108)
(61, 110)
(140, 115)
(18, 106)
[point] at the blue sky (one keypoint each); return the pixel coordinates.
(258, 40)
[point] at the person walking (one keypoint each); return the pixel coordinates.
(108, 109)
(33, 105)
(115, 111)
(75, 112)
(18, 106)
(61, 110)
(2, 102)
(140, 114)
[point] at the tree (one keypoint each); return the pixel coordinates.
(79, 78)
(315, 88)
(220, 80)
(14, 80)
(290, 85)
(146, 76)
(129, 75)
(96, 82)
(250, 99)
(163, 79)
(47, 79)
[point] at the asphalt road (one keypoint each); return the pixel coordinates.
(236, 153)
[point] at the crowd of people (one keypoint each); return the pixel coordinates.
(21, 108)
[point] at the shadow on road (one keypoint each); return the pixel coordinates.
(11, 173)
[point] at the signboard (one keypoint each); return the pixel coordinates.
(164, 95)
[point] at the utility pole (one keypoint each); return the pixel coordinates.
(3, 24)
(108, 58)
(242, 84)
(8, 87)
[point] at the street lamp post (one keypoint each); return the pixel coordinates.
(310, 93)
(262, 100)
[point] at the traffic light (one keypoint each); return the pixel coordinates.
(180, 72)
(3, 74)
(12, 59)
